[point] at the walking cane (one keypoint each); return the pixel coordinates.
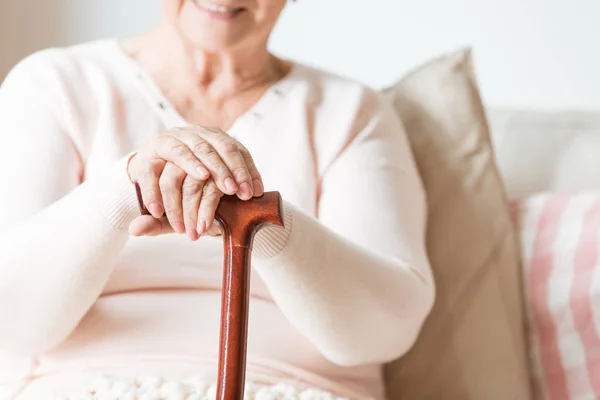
(239, 220)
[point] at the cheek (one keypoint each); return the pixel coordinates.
(171, 8)
(270, 10)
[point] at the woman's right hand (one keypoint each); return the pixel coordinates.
(184, 172)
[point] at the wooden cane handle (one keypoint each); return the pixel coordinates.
(239, 221)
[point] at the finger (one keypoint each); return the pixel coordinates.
(192, 193)
(147, 175)
(257, 183)
(213, 231)
(211, 195)
(172, 149)
(229, 151)
(146, 225)
(204, 151)
(171, 182)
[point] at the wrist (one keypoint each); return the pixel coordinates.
(270, 241)
(116, 194)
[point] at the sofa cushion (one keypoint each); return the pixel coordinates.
(473, 344)
(540, 151)
(560, 237)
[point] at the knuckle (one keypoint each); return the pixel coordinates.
(167, 183)
(150, 195)
(228, 145)
(250, 162)
(203, 147)
(243, 150)
(150, 189)
(155, 164)
(230, 148)
(191, 187)
(213, 159)
(211, 190)
(200, 130)
(194, 128)
(240, 172)
(179, 149)
(190, 206)
(175, 130)
(222, 170)
(172, 209)
(251, 166)
(148, 178)
(213, 129)
(247, 157)
(163, 141)
(147, 175)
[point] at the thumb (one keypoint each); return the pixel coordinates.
(214, 230)
(147, 225)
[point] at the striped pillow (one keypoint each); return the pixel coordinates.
(560, 236)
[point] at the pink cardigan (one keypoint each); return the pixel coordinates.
(345, 289)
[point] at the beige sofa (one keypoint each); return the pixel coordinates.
(540, 151)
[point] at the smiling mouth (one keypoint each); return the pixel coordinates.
(218, 10)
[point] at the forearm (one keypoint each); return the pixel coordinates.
(54, 264)
(354, 305)
(357, 281)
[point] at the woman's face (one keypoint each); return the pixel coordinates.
(216, 25)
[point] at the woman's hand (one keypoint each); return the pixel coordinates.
(182, 176)
(191, 201)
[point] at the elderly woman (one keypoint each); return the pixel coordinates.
(196, 109)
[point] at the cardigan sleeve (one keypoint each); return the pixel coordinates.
(356, 281)
(59, 239)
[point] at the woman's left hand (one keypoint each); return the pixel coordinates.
(195, 200)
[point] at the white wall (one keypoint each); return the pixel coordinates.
(528, 53)
(29, 25)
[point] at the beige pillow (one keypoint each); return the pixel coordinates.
(473, 344)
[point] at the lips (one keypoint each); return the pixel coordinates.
(218, 10)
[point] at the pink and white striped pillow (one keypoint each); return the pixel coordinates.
(560, 237)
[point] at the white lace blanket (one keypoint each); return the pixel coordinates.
(156, 388)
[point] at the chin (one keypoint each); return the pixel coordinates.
(213, 41)
(213, 35)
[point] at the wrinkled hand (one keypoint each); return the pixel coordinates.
(182, 176)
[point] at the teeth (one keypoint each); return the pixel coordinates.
(213, 7)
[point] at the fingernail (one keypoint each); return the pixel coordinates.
(201, 226)
(245, 191)
(202, 172)
(179, 227)
(155, 209)
(192, 234)
(259, 189)
(230, 185)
